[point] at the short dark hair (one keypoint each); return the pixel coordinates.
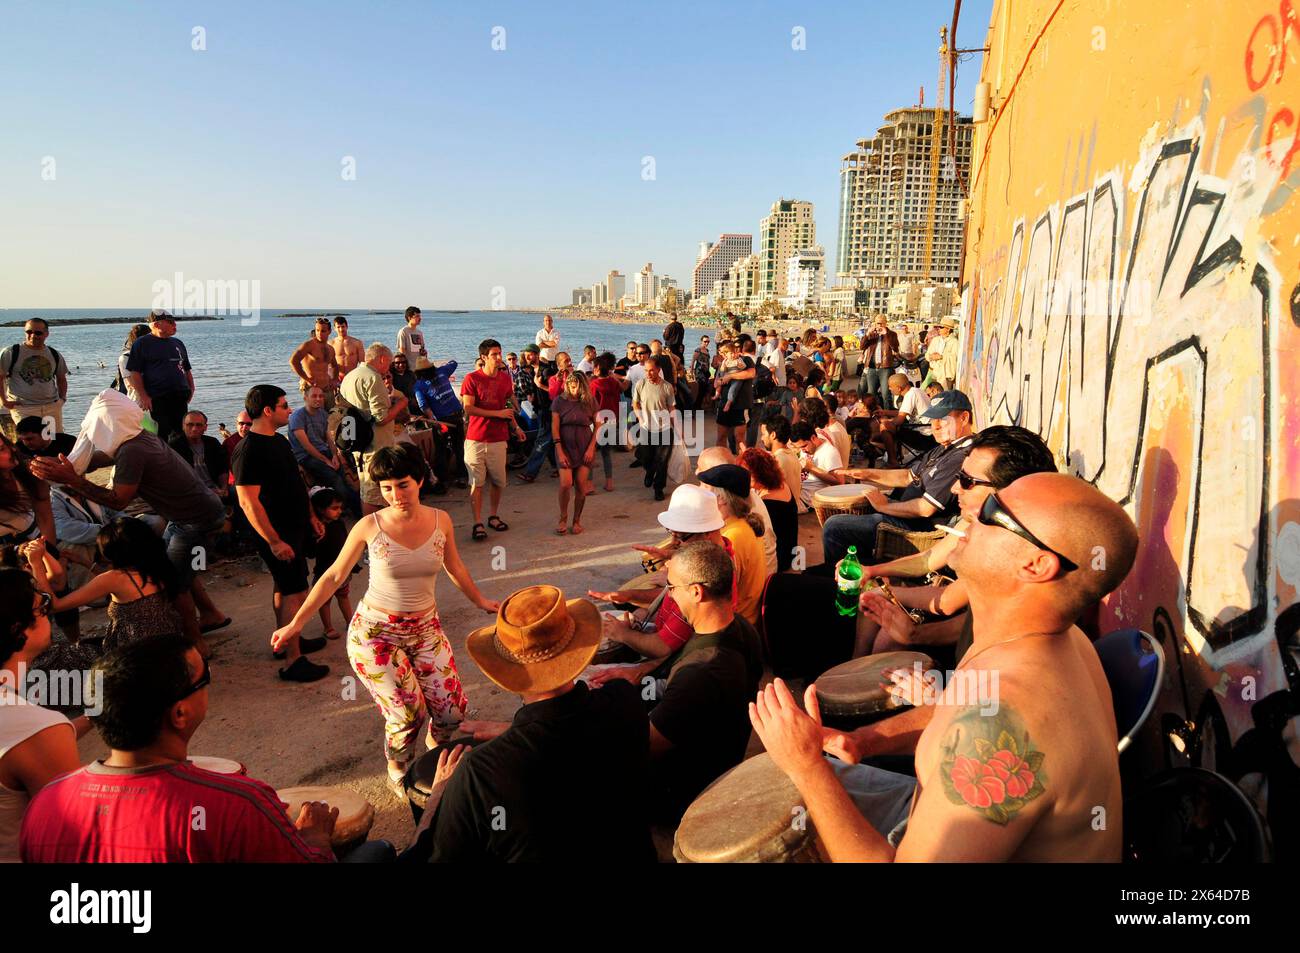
(45, 324)
(17, 614)
(815, 410)
(32, 424)
(340, 320)
(137, 685)
(396, 463)
(324, 498)
(803, 430)
(485, 346)
(778, 426)
(1020, 452)
(199, 413)
(260, 397)
(707, 564)
(410, 311)
(606, 362)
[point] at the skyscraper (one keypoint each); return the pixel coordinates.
(715, 258)
(788, 227)
(615, 287)
(885, 205)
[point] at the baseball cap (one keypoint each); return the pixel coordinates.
(949, 402)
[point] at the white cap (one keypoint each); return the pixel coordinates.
(692, 509)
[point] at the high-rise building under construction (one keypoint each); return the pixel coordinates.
(885, 205)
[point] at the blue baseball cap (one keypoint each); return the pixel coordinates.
(949, 402)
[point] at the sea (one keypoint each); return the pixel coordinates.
(229, 356)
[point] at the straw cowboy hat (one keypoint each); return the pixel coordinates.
(540, 641)
(952, 323)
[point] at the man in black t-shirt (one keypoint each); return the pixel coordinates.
(923, 495)
(274, 498)
(674, 334)
(573, 758)
(700, 727)
(32, 435)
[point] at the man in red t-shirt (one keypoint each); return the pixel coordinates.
(146, 802)
(489, 399)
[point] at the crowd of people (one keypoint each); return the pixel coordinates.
(344, 474)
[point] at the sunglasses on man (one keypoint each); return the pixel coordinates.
(994, 513)
(969, 482)
(204, 680)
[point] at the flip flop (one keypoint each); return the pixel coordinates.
(478, 532)
(332, 634)
(561, 530)
(577, 529)
(214, 626)
(497, 523)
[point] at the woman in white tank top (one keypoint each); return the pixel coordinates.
(395, 640)
(36, 744)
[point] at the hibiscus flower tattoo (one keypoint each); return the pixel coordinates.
(990, 765)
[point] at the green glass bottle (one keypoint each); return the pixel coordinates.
(848, 583)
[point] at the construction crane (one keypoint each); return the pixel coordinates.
(936, 151)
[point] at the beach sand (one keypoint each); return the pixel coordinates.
(289, 735)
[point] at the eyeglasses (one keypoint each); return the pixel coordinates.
(682, 585)
(204, 680)
(994, 513)
(969, 482)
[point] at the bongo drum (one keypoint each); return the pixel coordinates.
(851, 694)
(217, 765)
(419, 776)
(356, 815)
(751, 815)
(842, 498)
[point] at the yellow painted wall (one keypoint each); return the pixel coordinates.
(1130, 292)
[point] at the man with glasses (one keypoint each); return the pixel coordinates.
(160, 372)
(34, 377)
(136, 805)
(275, 501)
(923, 492)
(1003, 777)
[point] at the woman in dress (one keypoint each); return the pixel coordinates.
(573, 416)
(36, 744)
(140, 585)
(395, 640)
(782, 508)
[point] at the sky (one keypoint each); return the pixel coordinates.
(601, 136)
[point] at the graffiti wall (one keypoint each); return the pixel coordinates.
(1130, 292)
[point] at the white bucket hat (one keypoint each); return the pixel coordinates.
(692, 509)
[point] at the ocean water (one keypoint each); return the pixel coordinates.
(229, 357)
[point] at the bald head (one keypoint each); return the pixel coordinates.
(712, 457)
(1071, 517)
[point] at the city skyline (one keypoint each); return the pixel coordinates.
(471, 186)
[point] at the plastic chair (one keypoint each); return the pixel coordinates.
(1135, 666)
(1191, 815)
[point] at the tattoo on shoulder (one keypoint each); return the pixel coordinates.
(990, 764)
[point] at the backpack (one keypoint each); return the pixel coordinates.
(11, 358)
(356, 431)
(763, 380)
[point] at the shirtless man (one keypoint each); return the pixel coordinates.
(315, 364)
(1004, 777)
(348, 351)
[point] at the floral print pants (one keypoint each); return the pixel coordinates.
(407, 666)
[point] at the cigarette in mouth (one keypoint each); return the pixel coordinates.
(951, 531)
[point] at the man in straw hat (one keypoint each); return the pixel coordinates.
(566, 781)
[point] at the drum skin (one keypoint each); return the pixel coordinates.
(751, 815)
(356, 814)
(845, 498)
(217, 765)
(853, 689)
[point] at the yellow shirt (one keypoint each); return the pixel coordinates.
(751, 568)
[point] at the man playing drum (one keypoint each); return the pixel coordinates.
(1002, 778)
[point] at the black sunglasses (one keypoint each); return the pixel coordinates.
(994, 513)
(968, 482)
(204, 680)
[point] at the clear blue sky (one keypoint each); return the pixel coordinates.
(475, 168)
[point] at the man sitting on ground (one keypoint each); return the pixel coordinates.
(572, 757)
(926, 496)
(1001, 778)
(139, 803)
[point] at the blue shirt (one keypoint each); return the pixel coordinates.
(162, 362)
(437, 395)
(316, 425)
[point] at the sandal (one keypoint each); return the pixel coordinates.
(561, 529)
(478, 532)
(497, 523)
(332, 634)
(577, 529)
(525, 478)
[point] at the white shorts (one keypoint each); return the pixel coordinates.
(486, 463)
